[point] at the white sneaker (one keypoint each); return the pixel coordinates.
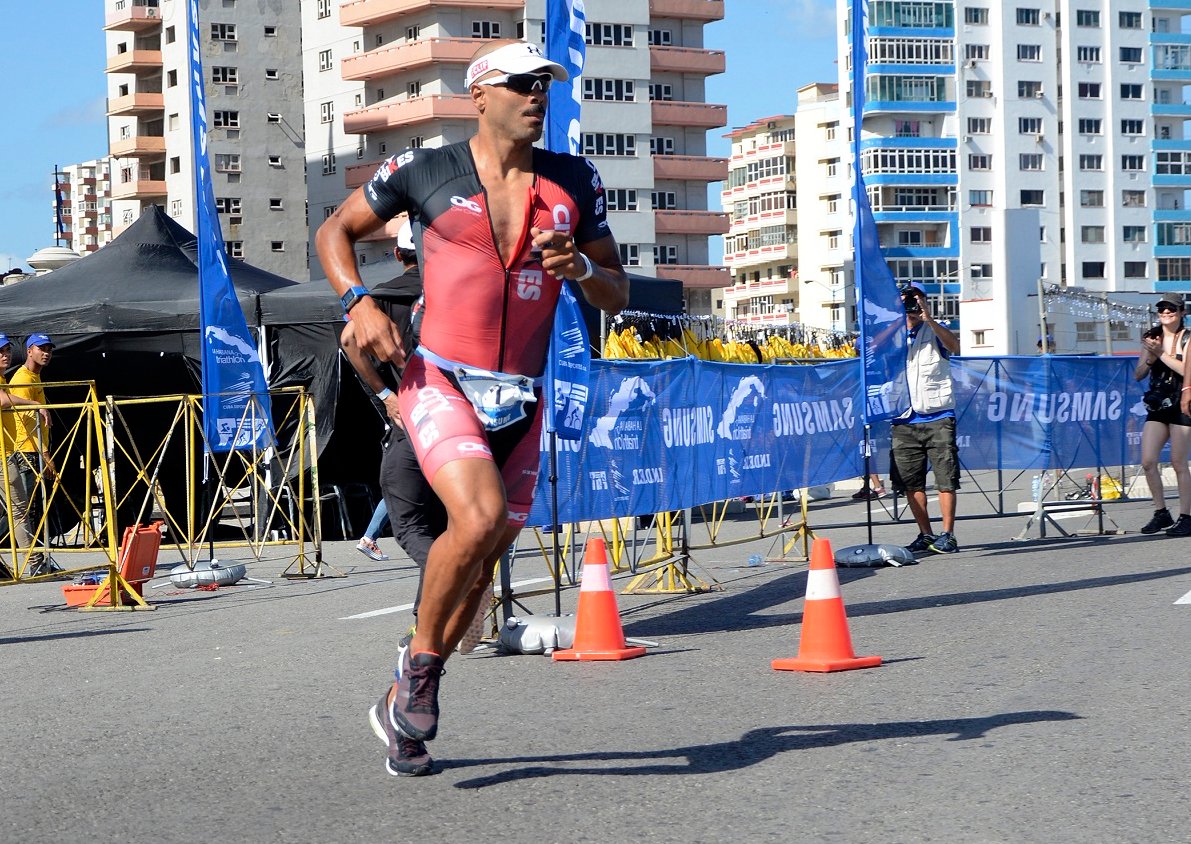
(370, 549)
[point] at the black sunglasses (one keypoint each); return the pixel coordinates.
(1167, 309)
(521, 83)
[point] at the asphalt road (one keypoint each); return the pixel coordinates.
(1031, 691)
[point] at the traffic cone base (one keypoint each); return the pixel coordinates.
(825, 644)
(598, 633)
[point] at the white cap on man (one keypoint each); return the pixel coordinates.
(520, 57)
(405, 237)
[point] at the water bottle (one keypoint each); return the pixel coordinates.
(755, 560)
(1036, 487)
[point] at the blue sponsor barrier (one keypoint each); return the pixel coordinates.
(676, 434)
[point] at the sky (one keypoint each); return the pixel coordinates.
(55, 109)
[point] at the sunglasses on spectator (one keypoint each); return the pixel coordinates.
(1167, 309)
(521, 83)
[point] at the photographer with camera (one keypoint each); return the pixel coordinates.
(926, 432)
(1162, 349)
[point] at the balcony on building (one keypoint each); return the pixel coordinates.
(698, 115)
(694, 168)
(386, 232)
(142, 183)
(764, 287)
(372, 12)
(357, 174)
(696, 275)
(686, 60)
(134, 61)
(395, 58)
(138, 146)
(696, 10)
(394, 113)
(133, 16)
(690, 222)
(131, 105)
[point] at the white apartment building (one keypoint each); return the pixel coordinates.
(644, 116)
(1004, 144)
(256, 138)
(83, 202)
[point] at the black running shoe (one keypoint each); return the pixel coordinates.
(1182, 527)
(944, 543)
(920, 545)
(407, 757)
(414, 710)
(1160, 521)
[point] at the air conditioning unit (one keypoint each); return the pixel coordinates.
(970, 63)
(150, 11)
(1046, 16)
(1039, 138)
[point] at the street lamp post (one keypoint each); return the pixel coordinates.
(1044, 337)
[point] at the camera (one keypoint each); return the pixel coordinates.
(910, 301)
(1154, 332)
(1156, 400)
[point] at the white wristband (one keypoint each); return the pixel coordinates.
(384, 394)
(586, 263)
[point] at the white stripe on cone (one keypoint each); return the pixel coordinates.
(821, 585)
(595, 578)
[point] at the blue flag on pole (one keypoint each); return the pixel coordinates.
(568, 363)
(882, 315)
(235, 395)
(565, 44)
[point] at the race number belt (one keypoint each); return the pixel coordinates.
(498, 398)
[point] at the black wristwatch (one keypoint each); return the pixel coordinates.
(352, 296)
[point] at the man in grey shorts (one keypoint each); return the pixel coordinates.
(926, 432)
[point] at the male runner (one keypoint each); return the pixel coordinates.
(502, 223)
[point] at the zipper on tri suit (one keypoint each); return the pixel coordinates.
(504, 308)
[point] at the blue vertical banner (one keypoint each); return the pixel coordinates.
(235, 396)
(566, 26)
(568, 369)
(882, 316)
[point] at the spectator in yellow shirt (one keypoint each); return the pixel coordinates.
(30, 458)
(13, 489)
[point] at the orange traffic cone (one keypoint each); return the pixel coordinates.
(826, 644)
(598, 634)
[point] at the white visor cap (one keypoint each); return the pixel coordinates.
(405, 237)
(514, 58)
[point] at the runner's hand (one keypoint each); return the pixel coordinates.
(560, 255)
(393, 410)
(376, 334)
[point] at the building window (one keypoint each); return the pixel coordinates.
(270, 32)
(1028, 17)
(416, 142)
(1027, 89)
(485, 29)
(176, 165)
(1090, 126)
(1091, 199)
(223, 32)
(414, 89)
(660, 38)
(328, 164)
(1136, 269)
(1033, 197)
(171, 79)
(1029, 52)
(665, 254)
(630, 254)
(274, 160)
(976, 52)
(227, 162)
(326, 112)
(272, 117)
(1092, 269)
(1087, 18)
(600, 143)
(976, 16)
(1091, 234)
(1133, 162)
(1133, 127)
(1133, 199)
(175, 208)
(235, 248)
(1170, 164)
(832, 203)
(1091, 162)
(1088, 90)
(1134, 234)
(978, 338)
(1029, 125)
(980, 234)
(609, 34)
(1131, 92)
(1131, 55)
(907, 129)
(617, 90)
(978, 88)
(276, 245)
(622, 199)
(980, 198)
(324, 60)
(661, 92)
(275, 204)
(979, 125)
(227, 204)
(271, 73)
(328, 210)
(225, 119)
(1029, 161)
(663, 200)
(1130, 20)
(978, 161)
(324, 9)
(1087, 55)
(225, 75)
(413, 33)
(170, 35)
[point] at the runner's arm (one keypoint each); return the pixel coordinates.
(368, 374)
(335, 243)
